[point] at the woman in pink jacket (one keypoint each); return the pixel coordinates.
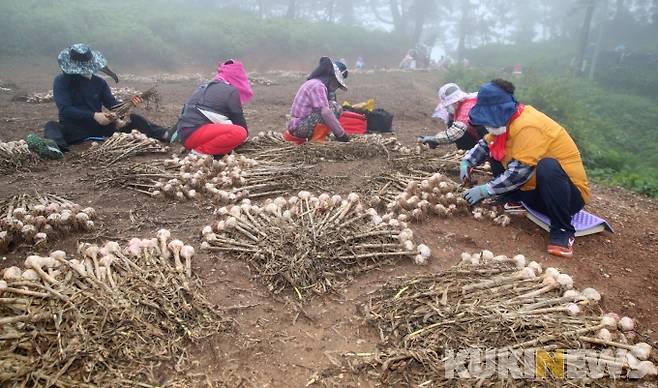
(212, 121)
(453, 109)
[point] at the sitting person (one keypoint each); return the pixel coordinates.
(212, 121)
(80, 97)
(453, 109)
(544, 168)
(314, 110)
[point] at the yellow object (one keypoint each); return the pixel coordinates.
(534, 136)
(368, 105)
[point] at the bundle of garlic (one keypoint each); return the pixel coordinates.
(429, 161)
(228, 180)
(457, 156)
(35, 219)
(149, 96)
(493, 214)
(110, 316)
(309, 243)
(15, 155)
(488, 302)
(414, 198)
(121, 146)
(270, 146)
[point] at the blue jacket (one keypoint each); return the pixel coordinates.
(78, 98)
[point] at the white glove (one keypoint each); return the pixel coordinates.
(102, 118)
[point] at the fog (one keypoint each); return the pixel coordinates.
(282, 33)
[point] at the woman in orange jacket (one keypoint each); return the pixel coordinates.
(543, 167)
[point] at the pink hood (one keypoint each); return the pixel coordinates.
(233, 73)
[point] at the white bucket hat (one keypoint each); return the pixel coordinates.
(449, 94)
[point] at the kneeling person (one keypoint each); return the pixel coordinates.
(212, 121)
(80, 96)
(314, 110)
(543, 167)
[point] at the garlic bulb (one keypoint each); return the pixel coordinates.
(641, 350)
(591, 294)
(626, 324)
(604, 334)
(420, 260)
(536, 267)
(573, 309)
(424, 251)
(520, 261)
(565, 281)
(569, 293)
(609, 321)
(487, 255)
(12, 273)
(646, 368)
(552, 272)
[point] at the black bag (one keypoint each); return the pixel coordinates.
(380, 120)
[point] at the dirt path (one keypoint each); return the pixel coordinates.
(275, 344)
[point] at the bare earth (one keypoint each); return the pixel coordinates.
(273, 344)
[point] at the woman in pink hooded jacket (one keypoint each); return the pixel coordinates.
(212, 121)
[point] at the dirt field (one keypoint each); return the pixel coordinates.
(273, 345)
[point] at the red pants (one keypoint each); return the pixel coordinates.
(216, 139)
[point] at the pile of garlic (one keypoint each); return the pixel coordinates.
(492, 214)
(616, 334)
(38, 221)
(322, 217)
(15, 155)
(219, 179)
(121, 146)
(437, 195)
(98, 262)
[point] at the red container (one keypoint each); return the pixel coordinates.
(354, 123)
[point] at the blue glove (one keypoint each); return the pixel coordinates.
(464, 172)
(477, 194)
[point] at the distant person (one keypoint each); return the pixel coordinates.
(80, 96)
(409, 61)
(360, 64)
(212, 121)
(314, 114)
(543, 167)
(443, 62)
